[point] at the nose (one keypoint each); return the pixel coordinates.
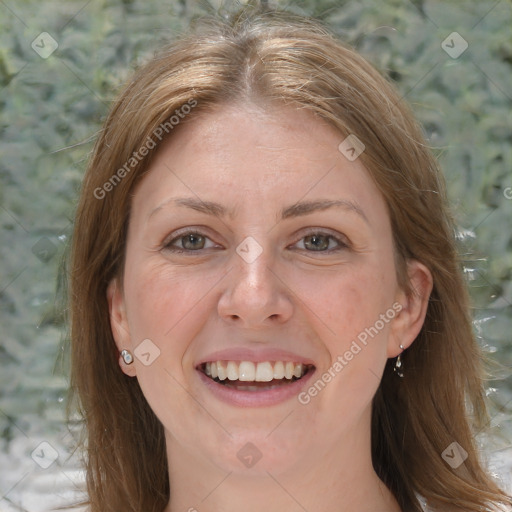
(255, 295)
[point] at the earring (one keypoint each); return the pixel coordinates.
(398, 364)
(127, 357)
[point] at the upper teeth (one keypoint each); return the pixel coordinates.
(250, 372)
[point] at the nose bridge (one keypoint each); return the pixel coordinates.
(253, 263)
(254, 292)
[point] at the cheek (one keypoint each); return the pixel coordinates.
(344, 307)
(165, 305)
(171, 306)
(355, 337)
(348, 301)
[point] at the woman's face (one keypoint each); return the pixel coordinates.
(254, 246)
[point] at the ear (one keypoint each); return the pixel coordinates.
(119, 323)
(408, 322)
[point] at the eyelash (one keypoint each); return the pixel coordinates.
(342, 245)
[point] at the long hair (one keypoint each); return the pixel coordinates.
(295, 61)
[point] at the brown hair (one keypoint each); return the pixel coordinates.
(291, 60)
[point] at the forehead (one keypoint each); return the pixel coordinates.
(245, 155)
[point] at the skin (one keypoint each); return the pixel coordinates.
(257, 160)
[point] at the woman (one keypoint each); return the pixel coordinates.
(267, 307)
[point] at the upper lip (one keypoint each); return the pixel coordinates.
(254, 355)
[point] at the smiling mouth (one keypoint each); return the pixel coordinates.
(249, 376)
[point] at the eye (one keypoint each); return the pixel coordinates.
(194, 241)
(190, 241)
(321, 242)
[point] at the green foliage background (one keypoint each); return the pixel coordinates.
(51, 109)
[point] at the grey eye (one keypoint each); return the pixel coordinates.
(193, 241)
(317, 242)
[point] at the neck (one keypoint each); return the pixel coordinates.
(329, 481)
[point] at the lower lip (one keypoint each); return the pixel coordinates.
(265, 397)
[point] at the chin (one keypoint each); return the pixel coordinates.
(256, 452)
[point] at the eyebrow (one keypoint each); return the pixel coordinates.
(295, 210)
